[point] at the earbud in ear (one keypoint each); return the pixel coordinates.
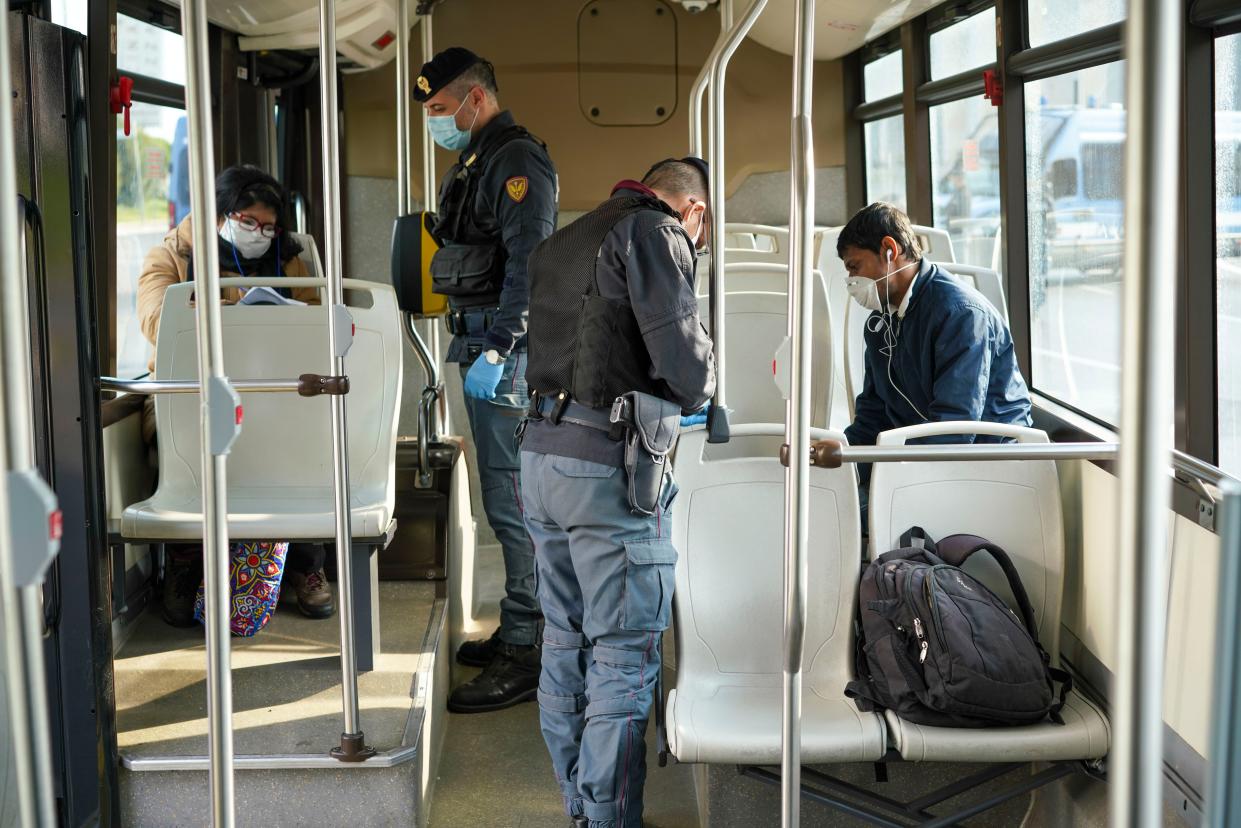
(889, 255)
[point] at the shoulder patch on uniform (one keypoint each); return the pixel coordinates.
(517, 187)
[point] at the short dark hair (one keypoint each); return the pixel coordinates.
(678, 178)
(867, 228)
(482, 73)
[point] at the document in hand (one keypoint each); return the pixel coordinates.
(267, 296)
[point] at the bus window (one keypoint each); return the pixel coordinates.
(151, 181)
(965, 165)
(885, 160)
(1075, 134)
(882, 78)
(148, 50)
(1228, 247)
(1052, 20)
(69, 13)
(963, 45)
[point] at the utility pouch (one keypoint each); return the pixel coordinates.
(651, 428)
(467, 270)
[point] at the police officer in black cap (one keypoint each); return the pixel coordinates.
(613, 314)
(496, 204)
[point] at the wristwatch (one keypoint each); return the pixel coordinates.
(493, 357)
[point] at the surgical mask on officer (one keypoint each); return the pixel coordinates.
(445, 132)
(250, 243)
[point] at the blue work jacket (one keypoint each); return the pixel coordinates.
(953, 359)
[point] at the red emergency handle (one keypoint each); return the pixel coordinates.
(120, 97)
(993, 87)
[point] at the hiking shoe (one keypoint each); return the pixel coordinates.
(314, 593)
(183, 573)
(511, 678)
(478, 652)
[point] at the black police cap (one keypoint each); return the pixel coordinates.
(442, 70)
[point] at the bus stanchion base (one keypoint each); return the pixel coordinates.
(353, 748)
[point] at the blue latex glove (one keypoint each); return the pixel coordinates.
(482, 378)
(699, 417)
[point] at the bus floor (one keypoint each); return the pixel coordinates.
(286, 686)
(495, 773)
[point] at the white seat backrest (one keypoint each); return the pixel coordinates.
(984, 280)
(853, 351)
(769, 277)
(755, 326)
(285, 446)
(728, 528)
(936, 244)
(1014, 504)
(309, 254)
(739, 241)
(834, 275)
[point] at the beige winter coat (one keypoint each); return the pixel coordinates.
(167, 264)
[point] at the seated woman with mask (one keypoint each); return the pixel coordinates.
(252, 239)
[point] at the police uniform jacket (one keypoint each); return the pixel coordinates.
(515, 203)
(649, 266)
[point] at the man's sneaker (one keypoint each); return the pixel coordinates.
(183, 572)
(580, 822)
(478, 652)
(314, 593)
(512, 677)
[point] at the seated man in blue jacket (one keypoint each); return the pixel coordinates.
(935, 348)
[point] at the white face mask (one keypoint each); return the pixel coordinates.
(250, 244)
(866, 291)
(702, 220)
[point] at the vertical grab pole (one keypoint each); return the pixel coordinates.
(440, 422)
(22, 563)
(1224, 788)
(717, 419)
(1153, 97)
(697, 91)
(403, 201)
(797, 428)
(219, 411)
(352, 746)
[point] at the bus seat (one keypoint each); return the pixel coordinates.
(755, 328)
(280, 468)
(936, 244)
(1015, 504)
(984, 280)
(309, 254)
(767, 277)
(834, 275)
(728, 528)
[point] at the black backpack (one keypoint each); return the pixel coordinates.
(936, 647)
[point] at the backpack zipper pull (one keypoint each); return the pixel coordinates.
(923, 646)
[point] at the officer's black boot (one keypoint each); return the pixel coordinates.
(478, 652)
(512, 677)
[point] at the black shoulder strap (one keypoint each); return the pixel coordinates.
(957, 549)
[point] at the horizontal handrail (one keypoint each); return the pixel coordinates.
(831, 454)
(307, 385)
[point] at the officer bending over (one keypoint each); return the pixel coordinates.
(496, 204)
(612, 312)
(936, 349)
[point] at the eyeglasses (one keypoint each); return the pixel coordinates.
(252, 224)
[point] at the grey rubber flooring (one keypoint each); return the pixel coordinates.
(286, 681)
(495, 773)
